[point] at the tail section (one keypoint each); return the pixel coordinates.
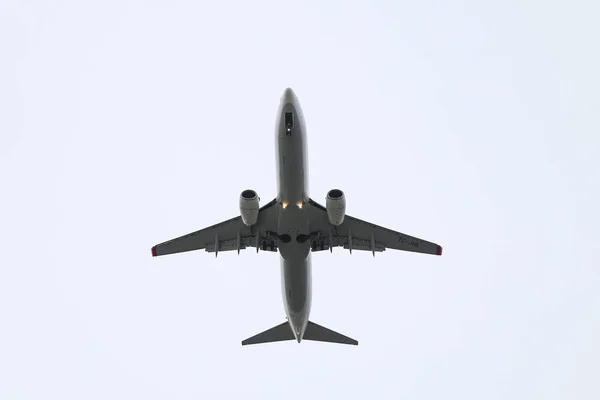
(321, 334)
(278, 333)
(314, 332)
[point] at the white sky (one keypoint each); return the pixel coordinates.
(127, 123)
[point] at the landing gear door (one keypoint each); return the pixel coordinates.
(289, 123)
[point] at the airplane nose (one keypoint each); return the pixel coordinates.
(288, 96)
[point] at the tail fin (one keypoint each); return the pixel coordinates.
(278, 333)
(313, 332)
(321, 334)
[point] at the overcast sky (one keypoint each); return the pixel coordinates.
(127, 123)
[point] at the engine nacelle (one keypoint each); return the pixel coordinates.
(249, 205)
(335, 203)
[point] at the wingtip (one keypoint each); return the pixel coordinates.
(439, 250)
(154, 251)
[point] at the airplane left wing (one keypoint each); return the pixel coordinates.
(232, 234)
(356, 234)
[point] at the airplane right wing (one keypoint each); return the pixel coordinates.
(232, 234)
(356, 234)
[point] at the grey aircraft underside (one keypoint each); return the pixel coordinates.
(294, 225)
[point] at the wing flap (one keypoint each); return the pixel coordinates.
(227, 235)
(229, 244)
(356, 234)
(200, 239)
(389, 238)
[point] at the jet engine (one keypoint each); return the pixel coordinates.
(249, 205)
(335, 203)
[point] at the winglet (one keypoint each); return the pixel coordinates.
(154, 251)
(439, 250)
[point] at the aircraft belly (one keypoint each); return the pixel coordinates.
(292, 177)
(297, 291)
(292, 195)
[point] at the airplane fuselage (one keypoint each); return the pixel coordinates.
(292, 200)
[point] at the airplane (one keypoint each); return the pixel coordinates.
(294, 225)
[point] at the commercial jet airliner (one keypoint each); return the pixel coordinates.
(295, 225)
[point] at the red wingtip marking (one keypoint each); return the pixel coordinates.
(154, 251)
(439, 250)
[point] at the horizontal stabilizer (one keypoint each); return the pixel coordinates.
(278, 333)
(321, 334)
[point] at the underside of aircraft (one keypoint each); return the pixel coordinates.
(295, 225)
